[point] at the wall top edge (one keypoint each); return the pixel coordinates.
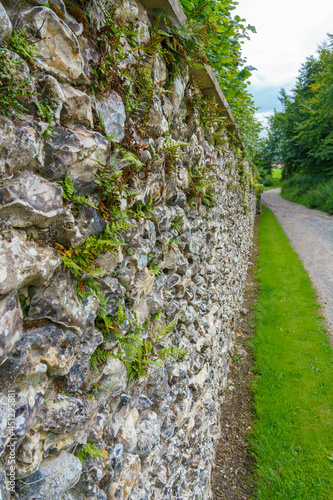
(207, 80)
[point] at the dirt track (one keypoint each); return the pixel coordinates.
(311, 234)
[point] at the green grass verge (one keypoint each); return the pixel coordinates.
(311, 191)
(293, 433)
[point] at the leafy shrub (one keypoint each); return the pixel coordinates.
(313, 191)
(269, 181)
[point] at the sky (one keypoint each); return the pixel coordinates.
(288, 31)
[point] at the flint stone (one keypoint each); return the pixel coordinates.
(162, 217)
(54, 476)
(112, 110)
(63, 414)
(5, 24)
(108, 261)
(158, 387)
(27, 405)
(127, 434)
(148, 430)
(114, 374)
(156, 125)
(4, 486)
(142, 285)
(114, 292)
(76, 494)
(56, 348)
(142, 25)
(178, 91)
(75, 151)
(127, 478)
(30, 201)
(22, 262)
(79, 371)
(59, 303)
(21, 146)
(128, 10)
(53, 92)
(11, 321)
(76, 108)
(72, 232)
(60, 50)
(29, 454)
(155, 298)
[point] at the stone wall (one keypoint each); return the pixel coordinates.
(126, 227)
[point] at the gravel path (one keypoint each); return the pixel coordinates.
(311, 234)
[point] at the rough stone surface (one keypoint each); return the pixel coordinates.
(112, 112)
(10, 323)
(59, 47)
(74, 151)
(53, 478)
(30, 201)
(23, 262)
(75, 339)
(76, 108)
(5, 24)
(21, 146)
(128, 477)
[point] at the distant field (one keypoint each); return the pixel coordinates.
(276, 176)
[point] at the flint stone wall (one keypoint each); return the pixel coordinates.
(156, 434)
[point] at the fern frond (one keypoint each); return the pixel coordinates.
(99, 357)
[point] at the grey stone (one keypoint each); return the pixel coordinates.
(156, 125)
(112, 111)
(30, 201)
(162, 216)
(178, 91)
(53, 93)
(76, 108)
(128, 10)
(44, 348)
(27, 405)
(21, 146)
(114, 376)
(127, 478)
(148, 430)
(60, 50)
(4, 485)
(159, 70)
(75, 151)
(59, 303)
(54, 476)
(11, 321)
(71, 231)
(23, 262)
(5, 24)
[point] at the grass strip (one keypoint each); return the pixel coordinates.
(293, 389)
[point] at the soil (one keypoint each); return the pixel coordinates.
(234, 462)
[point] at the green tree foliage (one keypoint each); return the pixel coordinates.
(226, 36)
(301, 135)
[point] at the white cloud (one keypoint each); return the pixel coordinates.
(288, 32)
